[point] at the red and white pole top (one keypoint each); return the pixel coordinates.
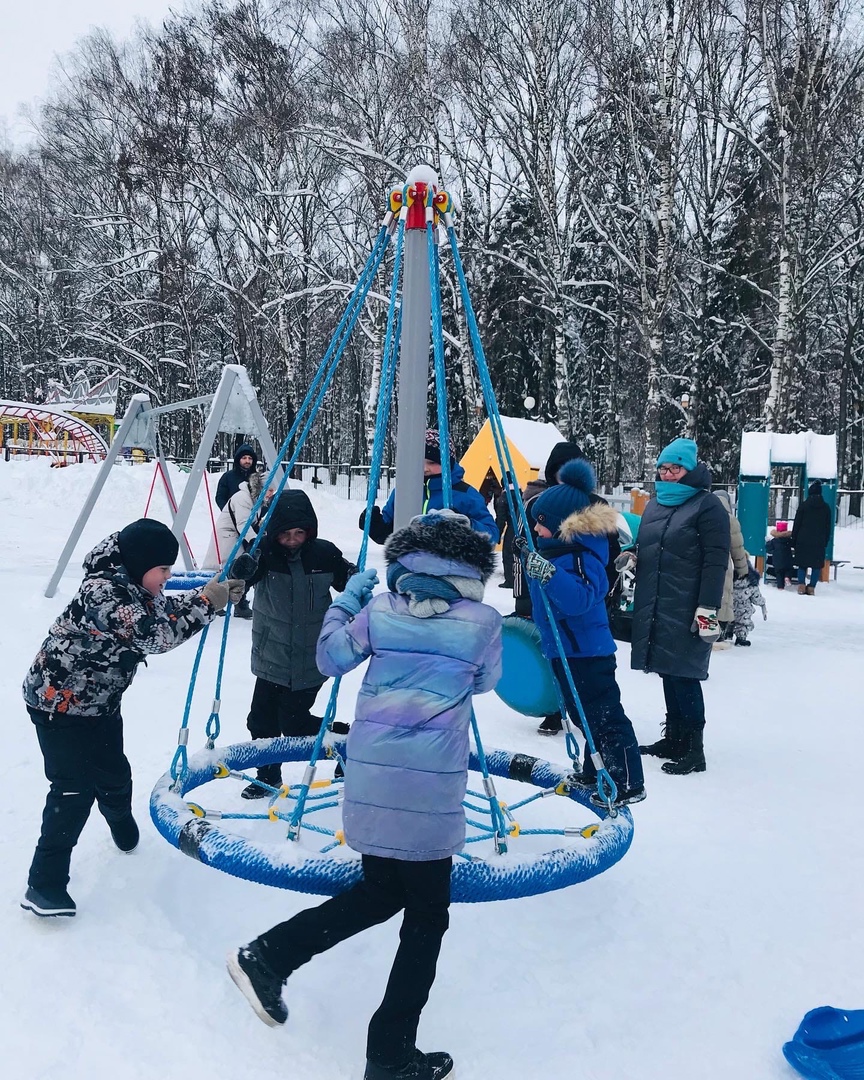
(420, 200)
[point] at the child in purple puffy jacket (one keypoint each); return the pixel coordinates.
(431, 646)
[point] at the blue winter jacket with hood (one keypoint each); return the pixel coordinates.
(408, 748)
(577, 590)
(466, 500)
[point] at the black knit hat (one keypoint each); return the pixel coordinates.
(432, 451)
(144, 544)
(561, 453)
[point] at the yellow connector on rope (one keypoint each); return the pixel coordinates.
(589, 831)
(320, 783)
(197, 810)
(220, 771)
(514, 829)
(273, 814)
(339, 836)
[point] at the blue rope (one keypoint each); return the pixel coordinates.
(606, 787)
(385, 395)
(438, 353)
(323, 377)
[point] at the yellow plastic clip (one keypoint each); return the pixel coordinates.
(197, 810)
(220, 771)
(284, 791)
(320, 783)
(502, 804)
(340, 836)
(563, 788)
(515, 829)
(273, 814)
(589, 831)
(395, 201)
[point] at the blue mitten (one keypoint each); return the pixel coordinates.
(358, 592)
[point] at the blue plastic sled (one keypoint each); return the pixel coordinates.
(828, 1045)
(527, 683)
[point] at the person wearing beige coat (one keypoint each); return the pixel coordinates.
(738, 565)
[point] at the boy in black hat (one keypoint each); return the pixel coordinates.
(466, 499)
(73, 689)
(295, 573)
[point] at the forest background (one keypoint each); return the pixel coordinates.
(660, 211)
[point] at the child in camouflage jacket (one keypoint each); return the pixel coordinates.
(73, 689)
(746, 597)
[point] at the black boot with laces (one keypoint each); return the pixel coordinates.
(435, 1066)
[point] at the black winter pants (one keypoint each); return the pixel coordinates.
(594, 679)
(279, 710)
(84, 762)
(388, 886)
(685, 705)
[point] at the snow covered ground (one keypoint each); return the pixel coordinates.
(737, 908)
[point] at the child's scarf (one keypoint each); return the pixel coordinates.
(430, 595)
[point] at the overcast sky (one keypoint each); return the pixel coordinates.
(33, 32)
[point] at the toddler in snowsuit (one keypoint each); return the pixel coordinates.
(572, 538)
(780, 549)
(295, 573)
(433, 645)
(73, 690)
(746, 597)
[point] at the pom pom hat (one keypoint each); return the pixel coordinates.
(144, 544)
(679, 452)
(572, 493)
(432, 451)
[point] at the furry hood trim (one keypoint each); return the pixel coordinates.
(447, 538)
(597, 519)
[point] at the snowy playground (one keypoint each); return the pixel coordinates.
(734, 912)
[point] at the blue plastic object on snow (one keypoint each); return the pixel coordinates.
(527, 683)
(828, 1045)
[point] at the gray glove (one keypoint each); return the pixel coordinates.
(220, 592)
(625, 561)
(538, 568)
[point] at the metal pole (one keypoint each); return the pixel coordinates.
(413, 357)
(140, 404)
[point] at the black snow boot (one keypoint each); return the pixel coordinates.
(243, 610)
(267, 774)
(125, 833)
(437, 1066)
(48, 903)
(692, 760)
(551, 725)
(258, 984)
(670, 746)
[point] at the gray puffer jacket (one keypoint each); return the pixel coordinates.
(292, 595)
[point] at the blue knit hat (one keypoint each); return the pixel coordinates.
(576, 481)
(679, 452)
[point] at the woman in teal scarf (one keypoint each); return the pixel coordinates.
(682, 556)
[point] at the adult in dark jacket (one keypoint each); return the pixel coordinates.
(296, 571)
(811, 532)
(681, 562)
(467, 500)
(245, 462)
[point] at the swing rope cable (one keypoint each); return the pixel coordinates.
(385, 396)
(606, 788)
(324, 374)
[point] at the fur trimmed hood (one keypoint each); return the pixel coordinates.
(447, 536)
(597, 519)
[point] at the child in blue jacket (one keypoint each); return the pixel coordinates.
(572, 538)
(431, 645)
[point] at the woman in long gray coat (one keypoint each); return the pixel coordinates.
(682, 558)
